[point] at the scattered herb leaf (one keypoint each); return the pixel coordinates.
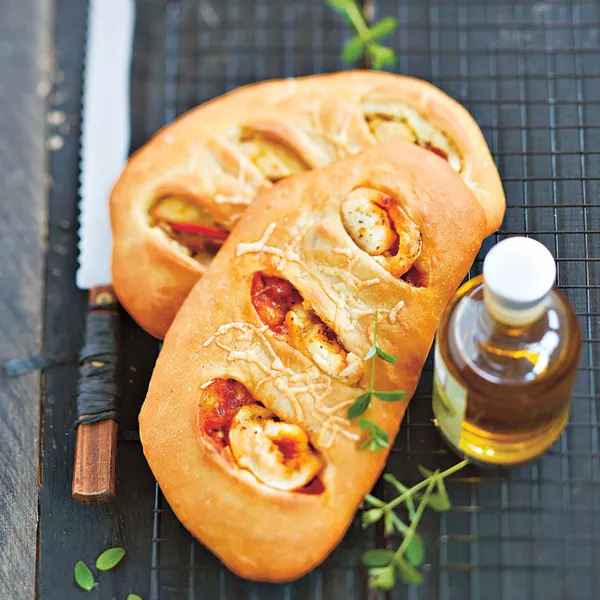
(391, 396)
(360, 405)
(364, 43)
(385, 355)
(382, 578)
(410, 554)
(110, 558)
(377, 439)
(377, 558)
(383, 28)
(408, 573)
(353, 50)
(83, 576)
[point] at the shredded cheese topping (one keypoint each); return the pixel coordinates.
(311, 387)
(394, 312)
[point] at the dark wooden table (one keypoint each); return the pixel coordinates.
(42, 531)
(24, 83)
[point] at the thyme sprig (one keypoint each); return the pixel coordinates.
(385, 565)
(365, 40)
(377, 437)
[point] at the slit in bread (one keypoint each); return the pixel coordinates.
(190, 225)
(280, 306)
(391, 120)
(379, 226)
(277, 453)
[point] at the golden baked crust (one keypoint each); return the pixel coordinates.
(213, 156)
(294, 231)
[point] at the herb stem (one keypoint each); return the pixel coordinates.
(374, 355)
(415, 521)
(358, 21)
(425, 483)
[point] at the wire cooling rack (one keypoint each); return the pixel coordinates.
(529, 72)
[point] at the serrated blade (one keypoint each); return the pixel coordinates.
(105, 131)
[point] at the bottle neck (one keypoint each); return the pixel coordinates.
(512, 314)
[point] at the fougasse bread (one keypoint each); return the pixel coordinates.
(245, 423)
(181, 194)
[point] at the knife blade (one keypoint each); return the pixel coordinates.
(105, 141)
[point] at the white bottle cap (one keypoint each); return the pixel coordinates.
(518, 273)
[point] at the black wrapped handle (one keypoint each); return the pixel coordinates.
(94, 472)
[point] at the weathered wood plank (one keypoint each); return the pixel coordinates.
(70, 531)
(24, 45)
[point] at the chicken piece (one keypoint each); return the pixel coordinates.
(366, 219)
(308, 334)
(278, 454)
(387, 129)
(273, 159)
(177, 209)
(381, 227)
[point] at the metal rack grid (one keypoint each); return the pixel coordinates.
(530, 75)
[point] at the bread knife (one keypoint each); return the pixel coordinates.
(105, 139)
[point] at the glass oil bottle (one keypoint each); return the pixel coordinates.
(506, 356)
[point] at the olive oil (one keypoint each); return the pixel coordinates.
(506, 355)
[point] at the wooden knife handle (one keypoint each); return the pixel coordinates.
(94, 471)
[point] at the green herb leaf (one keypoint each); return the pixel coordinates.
(377, 439)
(110, 558)
(381, 56)
(415, 551)
(353, 50)
(360, 405)
(408, 573)
(377, 558)
(383, 28)
(391, 396)
(382, 578)
(83, 576)
(370, 353)
(439, 503)
(370, 444)
(439, 500)
(339, 6)
(371, 516)
(385, 355)
(134, 597)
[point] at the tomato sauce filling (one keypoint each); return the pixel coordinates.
(218, 405)
(314, 487)
(273, 298)
(416, 277)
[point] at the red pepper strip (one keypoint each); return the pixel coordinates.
(436, 150)
(191, 228)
